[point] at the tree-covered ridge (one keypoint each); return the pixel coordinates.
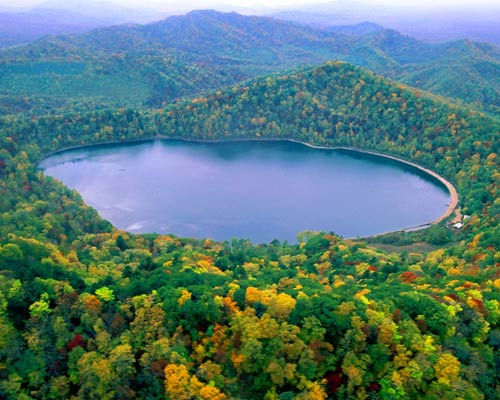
(136, 65)
(91, 312)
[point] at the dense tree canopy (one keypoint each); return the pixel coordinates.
(87, 311)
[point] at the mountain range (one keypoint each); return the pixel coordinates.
(429, 22)
(181, 56)
(432, 22)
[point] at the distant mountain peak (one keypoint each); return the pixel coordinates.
(209, 11)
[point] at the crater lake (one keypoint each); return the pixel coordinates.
(257, 190)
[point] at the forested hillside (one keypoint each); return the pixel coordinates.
(154, 64)
(95, 313)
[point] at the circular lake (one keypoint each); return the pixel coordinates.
(257, 190)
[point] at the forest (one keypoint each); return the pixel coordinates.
(91, 312)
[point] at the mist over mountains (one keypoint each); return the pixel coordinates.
(429, 23)
(478, 23)
(53, 17)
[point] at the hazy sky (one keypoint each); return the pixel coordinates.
(251, 3)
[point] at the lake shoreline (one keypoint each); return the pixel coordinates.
(449, 186)
(426, 171)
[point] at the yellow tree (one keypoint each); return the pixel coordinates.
(447, 369)
(180, 385)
